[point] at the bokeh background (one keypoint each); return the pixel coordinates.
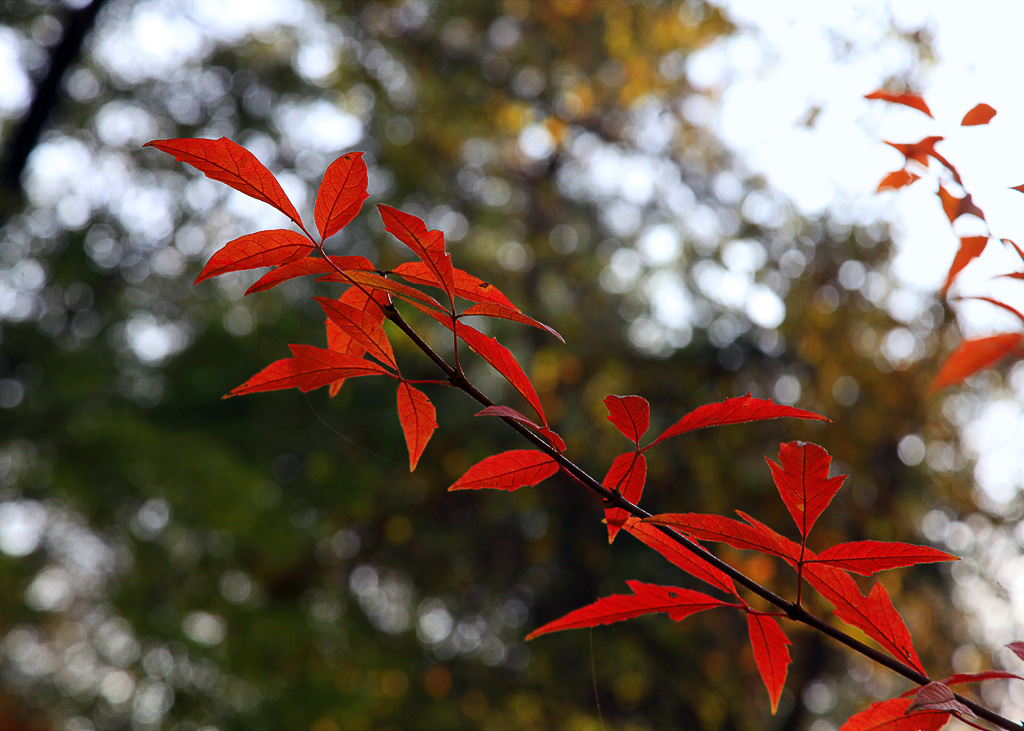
(171, 560)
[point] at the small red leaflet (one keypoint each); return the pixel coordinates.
(626, 476)
(427, 245)
(466, 285)
(980, 114)
(654, 537)
(891, 715)
(307, 266)
(896, 180)
(937, 697)
(870, 557)
(971, 247)
(341, 194)
(509, 413)
(308, 368)
(771, 653)
(261, 249)
(801, 476)
(909, 100)
(631, 415)
(974, 355)
(418, 418)
(361, 326)
(508, 471)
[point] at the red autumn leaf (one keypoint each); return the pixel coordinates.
(771, 653)
(970, 248)
(733, 411)
(1019, 188)
(918, 151)
(309, 265)
(870, 557)
(937, 697)
(626, 476)
(631, 415)
(427, 245)
(654, 537)
(974, 355)
(341, 194)
(262, 249)
(981, 114)
(718, 528)
(504, 362)
(466, 285)
(490, 309)
(419, 420)
(509, 413)
(373, 281)
(803, 482)
(228, 162)
(962, 678)
(955, 207)
(308, 368)
(891, 715)
(339, 340)
(508, 471)
(897, 179)
(1017, 648)
(363, 327)
(646, 599)
(909, 100)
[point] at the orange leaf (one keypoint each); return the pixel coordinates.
(897, 179)
(508, 471)
(308, 368)
(363, 327)
(646, 599)
(910, 100)
(419, 420)
(870, 557)
(228, 162)
(974, 355)
(304, 267)
(631, 415)
(341, 194)
(491, 309)
(654, 537)
(971, 248)
(917, 151)
(937, 697)
(261, 249)
(803, 482)
(466, 285)
(955, 207)
(626, 476)
(891, 715)
(981, 114)
(427, 245)
(771, 653)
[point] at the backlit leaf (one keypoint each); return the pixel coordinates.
(261, 249)
(626, 476)
(341, 194)
(870, 557)
(374, 281)
(771, 653)
(909, 100)
(504, 362)
(970, 248)
(918, 151)
(1017, 648)
(307, 266)
(653, 537)
(491, 309)
(897, 179)
(705, 527)
(427, 245)
(937, 697)
(962, 678)
(419, 420)
(466, 285)
(343, 342)
(981, 114)
(508, 471)
(891, 715)
(974, 355)
(509, 413)
(308, 368)
(955, 207)
(363, 327)
(631, 415)
(801, 476)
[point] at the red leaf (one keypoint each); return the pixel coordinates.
(341, 341)
(955, 207)
(631, 415)
(309, 265)
(970, 248)
(870, 557)
(252, 251)
(653, 537)
(918, 151)
(490, 309)
(1019, 188)
(508, 471)
(228, 162)
(803, 482)
(509, 413)
(626, 476)
(937, 697)
(427, 245)
(341, 194)
(721, 529)
(363, 327)
(890, 716)
(733, 411)
(374, 281)
(1017, 648)
(466, 285)
(771, 653)
(646, 599)
(897, 179)
(504, 362)
(419, 420)
(309, 368)
(961, 678)
(910, 100)
(981, 114)
(972, 356)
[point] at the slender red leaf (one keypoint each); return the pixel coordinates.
(374, 281)
(341, 194)
(891, 715)
(490, 309)
(705, 527)
(801, 476)
(733, 411)
(228, 162)
(510, 413)
(981, 114)
(631, 415)
(962, 678)
(909, 100)
(308, 368)
(341, 341)
(771, 653)
(897, 179)
(971, 248)
(363, 327)
(504, 362)
(508, 471)
(653, 537)
(1017, 648)
(646, 599)
(937, 697)
(419, 420)
(870, 557)
(427, 245)
(466, 285)
(309, 265)
(252, 251)
(626, 476)
(974, 355)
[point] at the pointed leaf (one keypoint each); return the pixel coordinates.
(1017, 648)
(981, 114)
(654, 537)
(374, 281)
(890, 716)
(504, 362)
(419, 420)
(962, 678)
(909, 100)
(705, 527)
(308, 368)
(228, 162)
(896, 180)
(363, 327)
(342, 342)
(466, 285)
(937, 697)
(970, 248)
(626, 476)
(509, 413)
(341, 194)
(803, 482)
(771, 653)
(508, 471)
(733, 411)
(427, 245)
(955, 207)
(631, 415)
(918, 151)
(252, 251)
(646, 599)
(309, 265)
(870, 557)
(972, 356)
(490, 309)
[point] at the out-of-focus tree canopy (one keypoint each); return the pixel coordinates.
(171, 560)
